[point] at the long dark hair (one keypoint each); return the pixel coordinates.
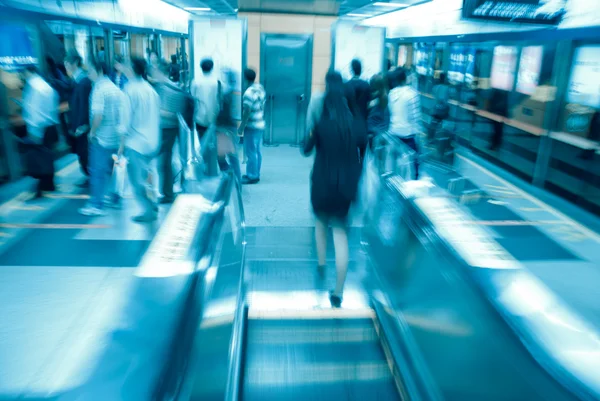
(335, 106)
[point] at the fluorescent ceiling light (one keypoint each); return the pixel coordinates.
(197, 9)
(358, 15)
(396, 5)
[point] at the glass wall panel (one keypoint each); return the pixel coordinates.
(98, 37)
(170, 46)
(139, 45)
(121, 44)
(574, 170)
(530, 106)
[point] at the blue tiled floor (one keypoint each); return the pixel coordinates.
(58, 247)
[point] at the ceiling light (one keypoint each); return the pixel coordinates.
(358, 15)
(197, 9)
(396, 5)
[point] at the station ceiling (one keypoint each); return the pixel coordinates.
(350, 8)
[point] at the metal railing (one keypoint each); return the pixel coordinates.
(393, 157)
(200, 156)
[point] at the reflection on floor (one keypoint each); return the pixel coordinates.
(65, 278)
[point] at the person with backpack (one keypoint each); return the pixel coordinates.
(172, 102)
(337, 137)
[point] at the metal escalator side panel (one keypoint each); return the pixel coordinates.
(215, 360)
(412, 378)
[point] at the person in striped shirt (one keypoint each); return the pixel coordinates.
(106, 104)
(253, 126)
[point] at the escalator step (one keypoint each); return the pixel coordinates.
(321, 373)
(312, 335)
(315, 358)
(324, 388)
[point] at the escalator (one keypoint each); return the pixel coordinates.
(317, 355)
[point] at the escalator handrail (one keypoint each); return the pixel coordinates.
(176, 366)
(416, 378)
(234, 376)
(137, 362)
(537, 331)
(387, 146)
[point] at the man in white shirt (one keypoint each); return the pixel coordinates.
(405, 113)
(142, 140)
(206, 93)
(40, 113)
(106, 105)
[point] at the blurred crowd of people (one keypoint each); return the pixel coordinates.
(130, 116)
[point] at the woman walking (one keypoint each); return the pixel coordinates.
(337, 138)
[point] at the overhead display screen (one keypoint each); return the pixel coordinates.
(503, 67)
(529, 69)
(584, 86)
(548, 12)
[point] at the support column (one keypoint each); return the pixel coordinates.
(560, 76)
(109, 46)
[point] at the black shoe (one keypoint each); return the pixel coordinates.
(336, 301)
(166, 200)
(249, 181)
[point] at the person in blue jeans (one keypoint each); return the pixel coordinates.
(106, 102)
(253, 126)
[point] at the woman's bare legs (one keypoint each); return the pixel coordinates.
(321, 240)
(340, 242)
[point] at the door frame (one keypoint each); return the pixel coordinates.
(309, 40)
(309, 68)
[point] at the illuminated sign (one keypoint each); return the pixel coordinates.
(503, 67)
(530, 11)
(529, 69)
(584, 85)
(16, 47)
